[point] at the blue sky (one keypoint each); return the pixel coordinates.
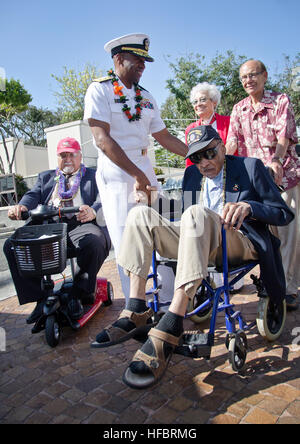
(39, 37)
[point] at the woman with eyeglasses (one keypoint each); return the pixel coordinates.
(205, 98)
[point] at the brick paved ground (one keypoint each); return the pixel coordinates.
(73, 383)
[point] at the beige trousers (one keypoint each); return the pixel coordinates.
(195, 242)
(289, 236)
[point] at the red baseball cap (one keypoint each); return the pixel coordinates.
(68, 145)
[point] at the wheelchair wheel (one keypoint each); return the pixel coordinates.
(237, 351)
(52, 331)
(270, 318)
(202, 294)
(110, 294)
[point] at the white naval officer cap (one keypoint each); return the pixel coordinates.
(137, 44)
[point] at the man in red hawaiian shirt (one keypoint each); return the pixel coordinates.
(263, 126)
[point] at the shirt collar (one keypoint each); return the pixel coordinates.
(70, 175)
(218, 179)
(266, 101)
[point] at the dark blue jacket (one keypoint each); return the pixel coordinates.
(248, 180)
(44, 187)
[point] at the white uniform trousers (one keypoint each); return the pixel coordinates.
(116, 193)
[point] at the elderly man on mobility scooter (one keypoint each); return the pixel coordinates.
(71, 184)
(236, 192)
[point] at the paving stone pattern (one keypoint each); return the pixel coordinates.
(74, 383)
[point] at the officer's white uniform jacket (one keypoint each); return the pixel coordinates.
(115, 185)
(102, 104)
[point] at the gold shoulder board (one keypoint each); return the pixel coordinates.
(102, 79)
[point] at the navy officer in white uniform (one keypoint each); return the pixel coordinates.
(122, 115)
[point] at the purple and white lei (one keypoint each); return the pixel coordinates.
(60, 178)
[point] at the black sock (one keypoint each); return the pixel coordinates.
(169, 323)
(136, 305)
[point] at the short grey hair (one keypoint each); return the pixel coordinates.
(213, 92)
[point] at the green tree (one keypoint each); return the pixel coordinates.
(286, 82)
(21, 186)
(30, 124)
(72, 88)
(13, 101)
(223, 71)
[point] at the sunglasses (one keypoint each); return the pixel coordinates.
(71, 155)
(208, 154)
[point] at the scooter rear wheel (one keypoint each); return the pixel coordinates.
(52, 331)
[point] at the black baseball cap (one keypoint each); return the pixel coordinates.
(199, 137)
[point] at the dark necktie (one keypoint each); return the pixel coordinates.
(68, 203)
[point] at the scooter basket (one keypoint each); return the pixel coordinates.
(40, 249)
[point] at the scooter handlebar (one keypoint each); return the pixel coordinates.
(43, 212)
(25, 215)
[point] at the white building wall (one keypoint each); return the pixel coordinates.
(29, 159)
(80, 131)
(90, 152)
(10, 143)
(36, 159)
(20, 159)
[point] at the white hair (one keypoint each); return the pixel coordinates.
(213, 92)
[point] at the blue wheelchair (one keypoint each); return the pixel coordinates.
(209, 301)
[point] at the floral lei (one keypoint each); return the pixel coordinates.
(118, 92)
(60, 178)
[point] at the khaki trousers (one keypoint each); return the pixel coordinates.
(195, 242)
(289, 236)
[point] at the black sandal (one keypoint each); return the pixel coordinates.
(155, 365)
(116, 334)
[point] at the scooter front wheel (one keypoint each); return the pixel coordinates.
(52, 331)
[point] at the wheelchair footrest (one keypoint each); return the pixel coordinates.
(194, 344)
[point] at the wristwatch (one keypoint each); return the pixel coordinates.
(277, 159)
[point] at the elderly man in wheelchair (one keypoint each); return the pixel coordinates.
(219, 190)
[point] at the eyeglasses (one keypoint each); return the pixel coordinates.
(71, 155)
(208, 154)
(251, 75)
(201, 100)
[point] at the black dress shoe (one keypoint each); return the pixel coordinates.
(37, 312)
(75, 309)
(291, 302)
(87, 299)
